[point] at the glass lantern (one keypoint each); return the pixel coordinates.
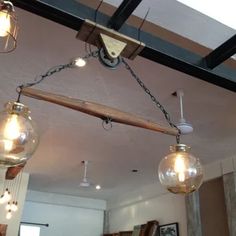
(180, 172)
(8, 27)
(18, 135)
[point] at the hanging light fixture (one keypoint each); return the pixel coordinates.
(14, 206)
(5, 197)
(8, 27)
(180, 171)
(11, 194)
(18, 136)
(8, 206)
(9, 215)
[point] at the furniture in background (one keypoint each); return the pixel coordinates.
(148, 229)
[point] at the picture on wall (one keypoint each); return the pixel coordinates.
(169, 230)
(3, 230)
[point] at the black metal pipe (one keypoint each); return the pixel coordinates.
(221, 53)
(31, 223)
(50, 12)
(188, 68)
(122, 13)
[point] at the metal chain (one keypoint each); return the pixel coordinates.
(50, 72)
(157, 103)
(57, 69)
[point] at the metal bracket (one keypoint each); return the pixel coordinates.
(113, 47)
(113, 41)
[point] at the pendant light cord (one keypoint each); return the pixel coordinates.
(156, 102)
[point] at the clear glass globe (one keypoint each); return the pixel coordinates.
(180, 172)
(18, 135)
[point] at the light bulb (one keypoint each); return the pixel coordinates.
(98, 187)
(5, 23)
(12, 128)
(8, 206)
(180, 167)
(7, 196)
(11, 132)
(14, 206)
(8, 145)
(2, 199)
(80, 62)
(9, 215)
(180, 172)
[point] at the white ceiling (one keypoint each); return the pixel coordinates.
(68, 137)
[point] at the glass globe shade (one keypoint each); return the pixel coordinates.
(8, 206)
(14, 206)
(9, 215)
(7, 196)
(180, 172)
(18, 135)
(2, 199)
(8, 27)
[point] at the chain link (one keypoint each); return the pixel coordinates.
(157, 103)
(57, 69)
(50, 72)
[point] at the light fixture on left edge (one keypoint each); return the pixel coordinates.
(8, 27)
(18, 135)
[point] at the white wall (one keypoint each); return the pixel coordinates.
(166, 208)
(152, 202)
(13, 223)
(67, 215)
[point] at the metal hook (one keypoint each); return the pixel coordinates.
(19, 91)
(141, 25)
(96, 11)
(107, 123)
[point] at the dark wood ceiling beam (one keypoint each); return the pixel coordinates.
(193, 69)
(221, 53)
(123, 12)
(50, 12)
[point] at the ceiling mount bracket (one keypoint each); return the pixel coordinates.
(113, 47)
(114, 43)
(106, 61)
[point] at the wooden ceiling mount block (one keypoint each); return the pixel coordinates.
(92, 32)
(13, 171)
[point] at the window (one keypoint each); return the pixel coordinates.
(220, 10)
(26, 230)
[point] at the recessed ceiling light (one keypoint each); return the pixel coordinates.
(80, 62)
(98, 187)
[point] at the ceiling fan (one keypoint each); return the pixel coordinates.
(85, 183)
(183, 125)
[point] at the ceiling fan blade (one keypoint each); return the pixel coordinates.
(98, 110)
